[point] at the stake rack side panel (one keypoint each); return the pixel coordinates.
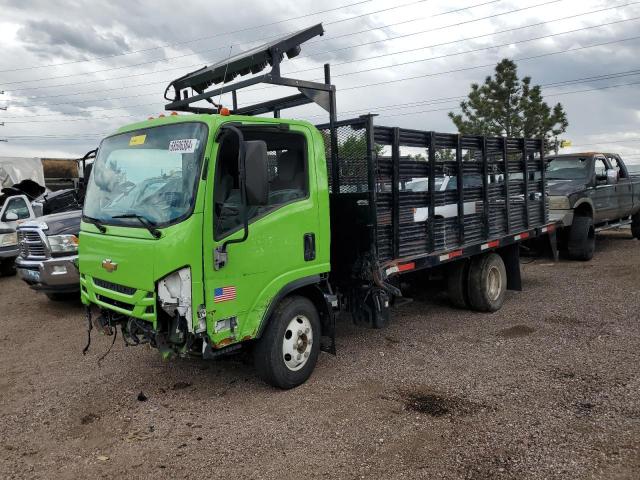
(432, 192)
(454, 190)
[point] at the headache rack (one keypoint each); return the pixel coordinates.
(192, 88)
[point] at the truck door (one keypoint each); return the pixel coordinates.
(605, 198)
(280, 246)
(623, 189)
(15, 209)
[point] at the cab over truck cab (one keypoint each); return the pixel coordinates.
(204, 233)
(195, 226)
(589, 192)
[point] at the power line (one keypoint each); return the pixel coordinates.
(561, 83)
(295, 71)
(462, 39)
(295, 58)
(484, 48)
(343, 63)
(255, 27)
(631, 140)
(521, 59)
(217, 48)
(377, 108)
(607, 76)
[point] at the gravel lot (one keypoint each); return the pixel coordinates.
(549, 387)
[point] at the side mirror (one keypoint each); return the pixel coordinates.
(38, 208)
(11, 216)
(257, 172)
(612, 176)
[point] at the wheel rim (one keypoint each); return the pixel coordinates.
(494, 283)
(297, 343)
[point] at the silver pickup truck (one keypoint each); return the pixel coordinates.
(589, 192)
(48, 252)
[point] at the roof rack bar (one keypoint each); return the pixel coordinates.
(253, 61)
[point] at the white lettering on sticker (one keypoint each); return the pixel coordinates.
(185, 145)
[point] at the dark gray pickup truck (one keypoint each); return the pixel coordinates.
(589, 192)
(48, 250)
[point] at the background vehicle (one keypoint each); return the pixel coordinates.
(591, 192)
(8, 249)
(44, 264)
(48, 254)
(206, 232)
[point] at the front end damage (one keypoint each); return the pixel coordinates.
(162, 319)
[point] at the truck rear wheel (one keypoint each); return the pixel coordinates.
(286, 354)
(582, 238)
(487, 283)
(635, 225)
(457, 284)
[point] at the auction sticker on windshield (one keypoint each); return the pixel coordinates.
(185, 145)
(137, 140)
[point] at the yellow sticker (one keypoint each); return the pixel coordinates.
(137, 140)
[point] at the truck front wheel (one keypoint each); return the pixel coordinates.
(487, 282)
(286, 354)
(582, 238)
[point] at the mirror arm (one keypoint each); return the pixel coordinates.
(220, 254)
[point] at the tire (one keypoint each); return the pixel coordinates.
(487, 284)
(635, 225)
(582, 239)
(279, 340)
(7, 268)
(457, 284)
(62, 297)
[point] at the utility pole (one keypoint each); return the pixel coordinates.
(2, 123)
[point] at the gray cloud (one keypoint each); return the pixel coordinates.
(48, 38)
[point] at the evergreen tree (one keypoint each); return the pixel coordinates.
(507, 106)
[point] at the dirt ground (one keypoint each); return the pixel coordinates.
(549, 387)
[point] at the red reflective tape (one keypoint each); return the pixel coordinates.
(406, 267)
(457, 253)
(551, 228)
(494, 244)
(524, 235)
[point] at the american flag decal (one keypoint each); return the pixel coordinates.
(223, 294)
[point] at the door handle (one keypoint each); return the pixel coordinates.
(309, 247)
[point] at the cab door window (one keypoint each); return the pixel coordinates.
(615, 163)
(288, 177)
(601, 170)
(17, 206)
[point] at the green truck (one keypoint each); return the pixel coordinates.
(222, 229)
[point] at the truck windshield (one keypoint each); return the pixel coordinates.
(150, 172)
(568, 168)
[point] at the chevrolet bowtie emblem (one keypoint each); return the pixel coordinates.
(109, 265)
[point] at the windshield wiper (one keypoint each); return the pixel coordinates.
(95, 222)
(144, 221)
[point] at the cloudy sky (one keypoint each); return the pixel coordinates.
(74, 71)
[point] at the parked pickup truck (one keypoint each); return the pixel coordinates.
(589, 192)
(48, 254)
(8, 249)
